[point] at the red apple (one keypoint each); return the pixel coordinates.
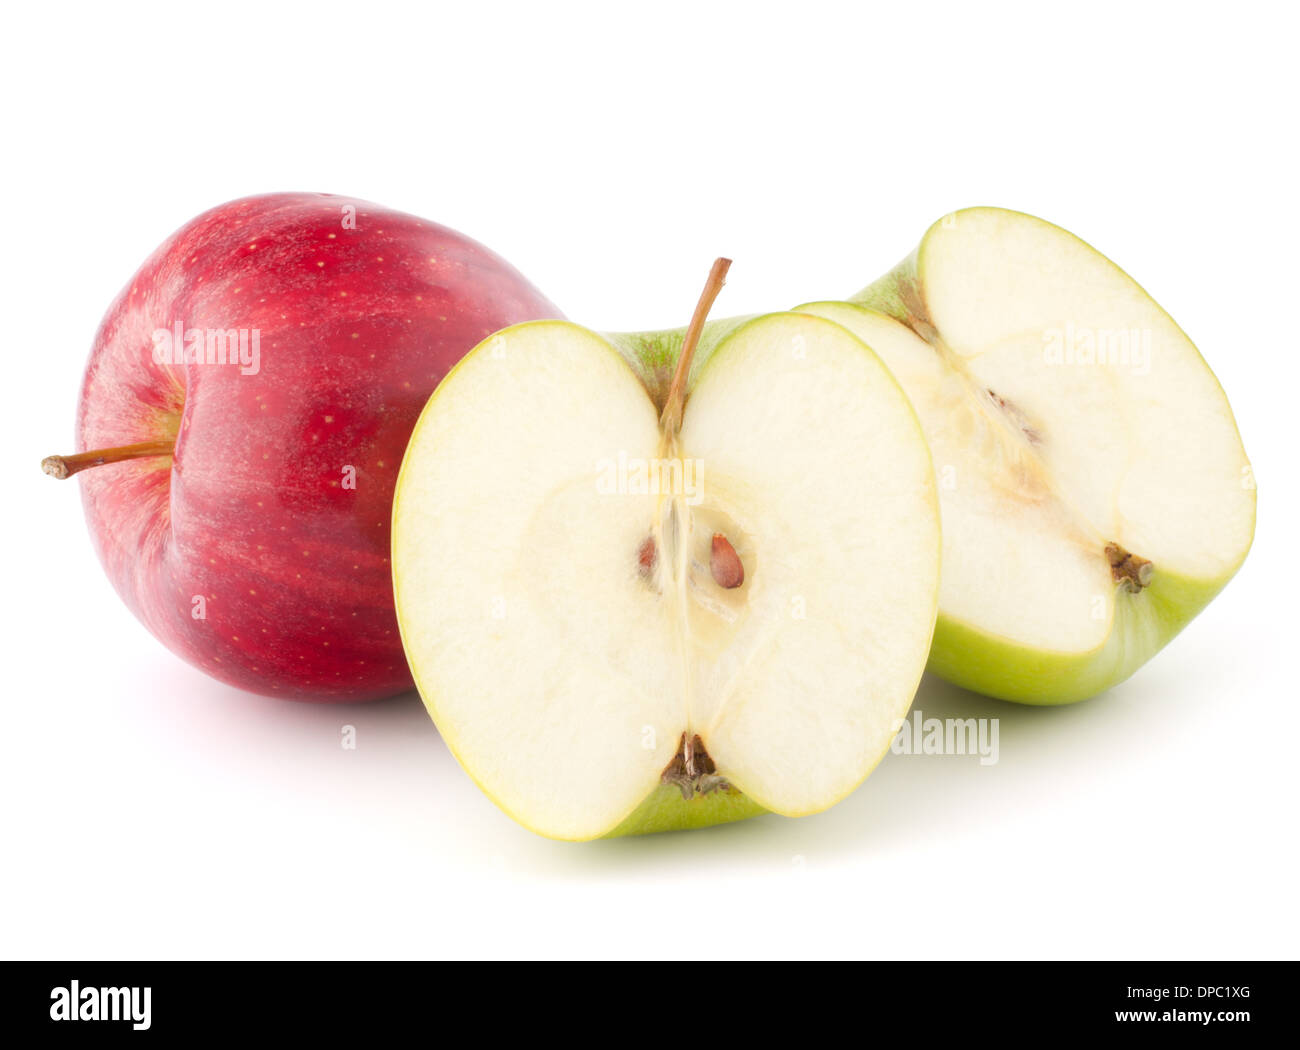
(242, 509)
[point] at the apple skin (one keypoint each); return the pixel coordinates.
(984, 663)
(665, 810)
(249, 552)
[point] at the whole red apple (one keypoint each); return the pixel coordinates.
(246, 406)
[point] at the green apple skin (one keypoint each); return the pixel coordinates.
(652, 356)
(665, 810)
(973, 659)
(1143, 625)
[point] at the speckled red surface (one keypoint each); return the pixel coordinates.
(254, 514)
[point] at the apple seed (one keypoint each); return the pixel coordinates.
(647, 556)
(725, 564)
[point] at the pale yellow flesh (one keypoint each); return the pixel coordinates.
(561, 675)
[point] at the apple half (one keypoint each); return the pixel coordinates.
(1094, 489)
(631, 610)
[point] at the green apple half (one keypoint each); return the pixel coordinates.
(1094, 489)
(634, 603)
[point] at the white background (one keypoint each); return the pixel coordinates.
(610, 152)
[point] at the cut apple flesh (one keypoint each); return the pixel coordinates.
(619, 628)
(1095, 492)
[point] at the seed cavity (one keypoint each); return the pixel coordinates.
(724, 563)
(1128, 570)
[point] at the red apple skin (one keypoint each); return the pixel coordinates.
(247, 552)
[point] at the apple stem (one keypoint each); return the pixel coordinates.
(671, 420)
(66, 466)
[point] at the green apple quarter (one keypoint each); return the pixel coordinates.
(1095, 493)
